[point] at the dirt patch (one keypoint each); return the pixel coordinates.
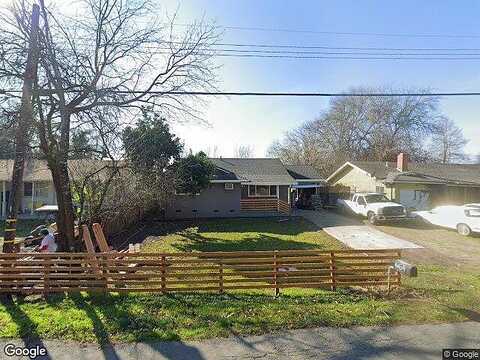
(441, 246)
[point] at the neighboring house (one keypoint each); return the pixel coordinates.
(245, 187)
(415, 185)
(38, 189)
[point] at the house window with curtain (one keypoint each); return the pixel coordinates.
(262, 190)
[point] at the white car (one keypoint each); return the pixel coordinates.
(375, 206)
(463, 218)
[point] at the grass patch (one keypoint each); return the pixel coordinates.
(439, 294)
(243, 234)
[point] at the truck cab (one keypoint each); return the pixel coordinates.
(376, 207)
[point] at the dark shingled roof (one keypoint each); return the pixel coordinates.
(422, 172)
(267, 171)
(303, 172)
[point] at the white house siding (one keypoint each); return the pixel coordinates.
(43, 194)
(357, 180)
(414, 196)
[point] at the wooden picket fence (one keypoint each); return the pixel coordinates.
(194, 272)
(265, 204)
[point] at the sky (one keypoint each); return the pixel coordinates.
(257, 121)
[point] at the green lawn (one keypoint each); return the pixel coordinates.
(439, 294)
(243, 234)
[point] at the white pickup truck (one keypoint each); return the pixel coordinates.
(375, 206)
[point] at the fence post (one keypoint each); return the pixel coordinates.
(46, 279)
(275, 272)
(221, 277)
(163, 275)
(332, 271)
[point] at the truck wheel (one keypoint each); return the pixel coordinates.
(372, 218)
(464, 229)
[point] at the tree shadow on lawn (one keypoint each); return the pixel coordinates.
(471, 315)
(27, 329)
(282, 226)
(261, 242)
(99, 330)
(121, 314)
(279, 226)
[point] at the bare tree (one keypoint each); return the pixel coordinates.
(448, 142)
(212, 151)
(360, 128)
(112, 57)
(243, 151)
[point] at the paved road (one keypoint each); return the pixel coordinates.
(353, 232)
(379, 343)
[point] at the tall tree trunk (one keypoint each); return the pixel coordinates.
(66, 216)
(24, 122)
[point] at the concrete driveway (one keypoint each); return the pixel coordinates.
(353, 232)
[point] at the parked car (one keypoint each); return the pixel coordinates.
(463, 218)
(375, 206)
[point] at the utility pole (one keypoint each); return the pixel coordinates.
(24, 123)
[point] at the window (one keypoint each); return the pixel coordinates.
(273, 190)
(262, 190)
(228, 186)
(361, 201)
(27, 189)
(41, 190)
(380, 189)
(376, 199)
(473, 213)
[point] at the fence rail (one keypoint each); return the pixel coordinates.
(191, 272)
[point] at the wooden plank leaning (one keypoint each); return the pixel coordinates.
(92, 257)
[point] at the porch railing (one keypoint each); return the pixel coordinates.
(275, 205)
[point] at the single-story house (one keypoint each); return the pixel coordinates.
(247, 187)
(239, 187)
(38, 189)
(415, 185)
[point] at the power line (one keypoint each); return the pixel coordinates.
(327, 52)
(307, 31)
(292, 46)
(326, 57)
(257, 93)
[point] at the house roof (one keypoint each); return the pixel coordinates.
(303, 172)
(431, 173)
(254, 170)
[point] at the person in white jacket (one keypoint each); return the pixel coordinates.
(48, 242)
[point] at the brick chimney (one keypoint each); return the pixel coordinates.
(402, 162)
